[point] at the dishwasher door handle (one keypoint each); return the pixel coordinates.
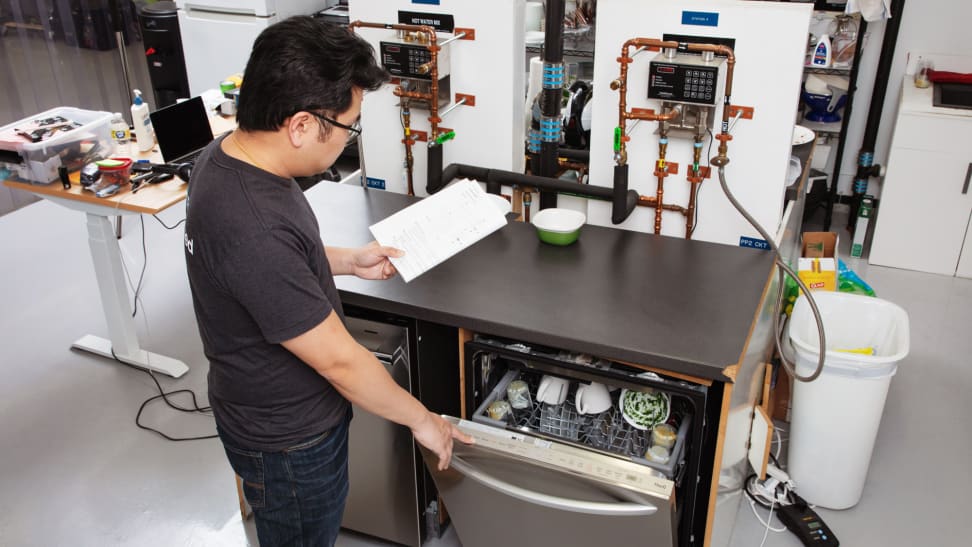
(620, 509)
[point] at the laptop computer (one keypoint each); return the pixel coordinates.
(182, 130)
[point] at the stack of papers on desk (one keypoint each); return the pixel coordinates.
(438, 227)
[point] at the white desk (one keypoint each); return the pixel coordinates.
(105, 253)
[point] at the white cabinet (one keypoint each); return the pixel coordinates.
(926, 202)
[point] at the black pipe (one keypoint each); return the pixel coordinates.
(621, 195)
(545, 163)
(865, 158)
(623, 201)
(574, 154)
(434, 170)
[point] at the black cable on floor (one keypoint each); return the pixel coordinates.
(141, 276)
(164, 395)
(166, 226)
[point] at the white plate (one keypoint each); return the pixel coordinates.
(802, 135)
(636, 425)
(534, 37)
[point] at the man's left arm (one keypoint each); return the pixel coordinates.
(367, 262)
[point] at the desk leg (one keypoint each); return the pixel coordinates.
(114, 301)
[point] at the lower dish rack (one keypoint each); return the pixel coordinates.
(606, 432)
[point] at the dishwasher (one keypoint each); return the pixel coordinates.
(383, 489)
(546, 474)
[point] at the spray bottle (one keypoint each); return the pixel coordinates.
(142, 123)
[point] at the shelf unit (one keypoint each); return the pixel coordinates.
(836, 131)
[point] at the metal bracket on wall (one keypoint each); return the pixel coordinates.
(744, 112)
(470, 99)
(470, 33)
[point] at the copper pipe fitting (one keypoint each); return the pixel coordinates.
(433, 47)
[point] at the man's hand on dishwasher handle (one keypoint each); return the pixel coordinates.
(437, 435)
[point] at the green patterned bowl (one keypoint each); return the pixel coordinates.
(558, 226)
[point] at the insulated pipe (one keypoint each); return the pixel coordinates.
(545, 163)
(865, 163)
(435, 174)
(624, 201)
(433, 47)
(572, 154)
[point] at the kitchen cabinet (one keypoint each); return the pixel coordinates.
(642, 301)
(923, 221)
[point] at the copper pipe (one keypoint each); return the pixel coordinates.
(527, 202)
(661, 171)
(690, 213)
(724, 138)
(571, 165)
(652, 117)
(652, 201)
(433, 47)
(409, 159)
(621, 84)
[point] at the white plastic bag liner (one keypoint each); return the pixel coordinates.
(851, 321)
(835, 419)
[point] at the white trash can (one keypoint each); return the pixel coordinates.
(834, 419)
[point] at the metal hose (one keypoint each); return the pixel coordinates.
(784, 270)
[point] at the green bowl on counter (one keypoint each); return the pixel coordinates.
(558, 226)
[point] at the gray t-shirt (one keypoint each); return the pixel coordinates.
(259, 277)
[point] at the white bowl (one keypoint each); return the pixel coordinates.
(534, 37)
(802, 135)
(557, 220)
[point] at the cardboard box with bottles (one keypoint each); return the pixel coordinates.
(818, 261)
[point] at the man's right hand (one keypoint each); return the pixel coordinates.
(437, 434)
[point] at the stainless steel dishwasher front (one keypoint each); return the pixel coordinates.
(515, 489)
(383, 493)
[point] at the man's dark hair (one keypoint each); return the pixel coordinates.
(303, 64)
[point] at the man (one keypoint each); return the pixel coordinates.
(282, 366)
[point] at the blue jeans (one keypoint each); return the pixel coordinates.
(297, 494)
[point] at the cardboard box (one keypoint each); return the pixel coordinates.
(818, 262)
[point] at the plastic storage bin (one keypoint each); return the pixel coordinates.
(835, 419)
(37, 162)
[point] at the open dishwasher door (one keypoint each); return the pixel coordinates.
(516, 489)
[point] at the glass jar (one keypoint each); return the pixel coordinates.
(843, 32)
(921, 73)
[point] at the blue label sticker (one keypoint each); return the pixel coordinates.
(375, 183)
(700, 18)
(428, 2)
(753, 243)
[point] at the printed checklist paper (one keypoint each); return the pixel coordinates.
(438, 227)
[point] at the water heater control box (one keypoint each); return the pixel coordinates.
(411, 60)
(685, 78)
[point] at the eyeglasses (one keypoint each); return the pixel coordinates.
(353, 130)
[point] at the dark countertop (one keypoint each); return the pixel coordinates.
(684, 306)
